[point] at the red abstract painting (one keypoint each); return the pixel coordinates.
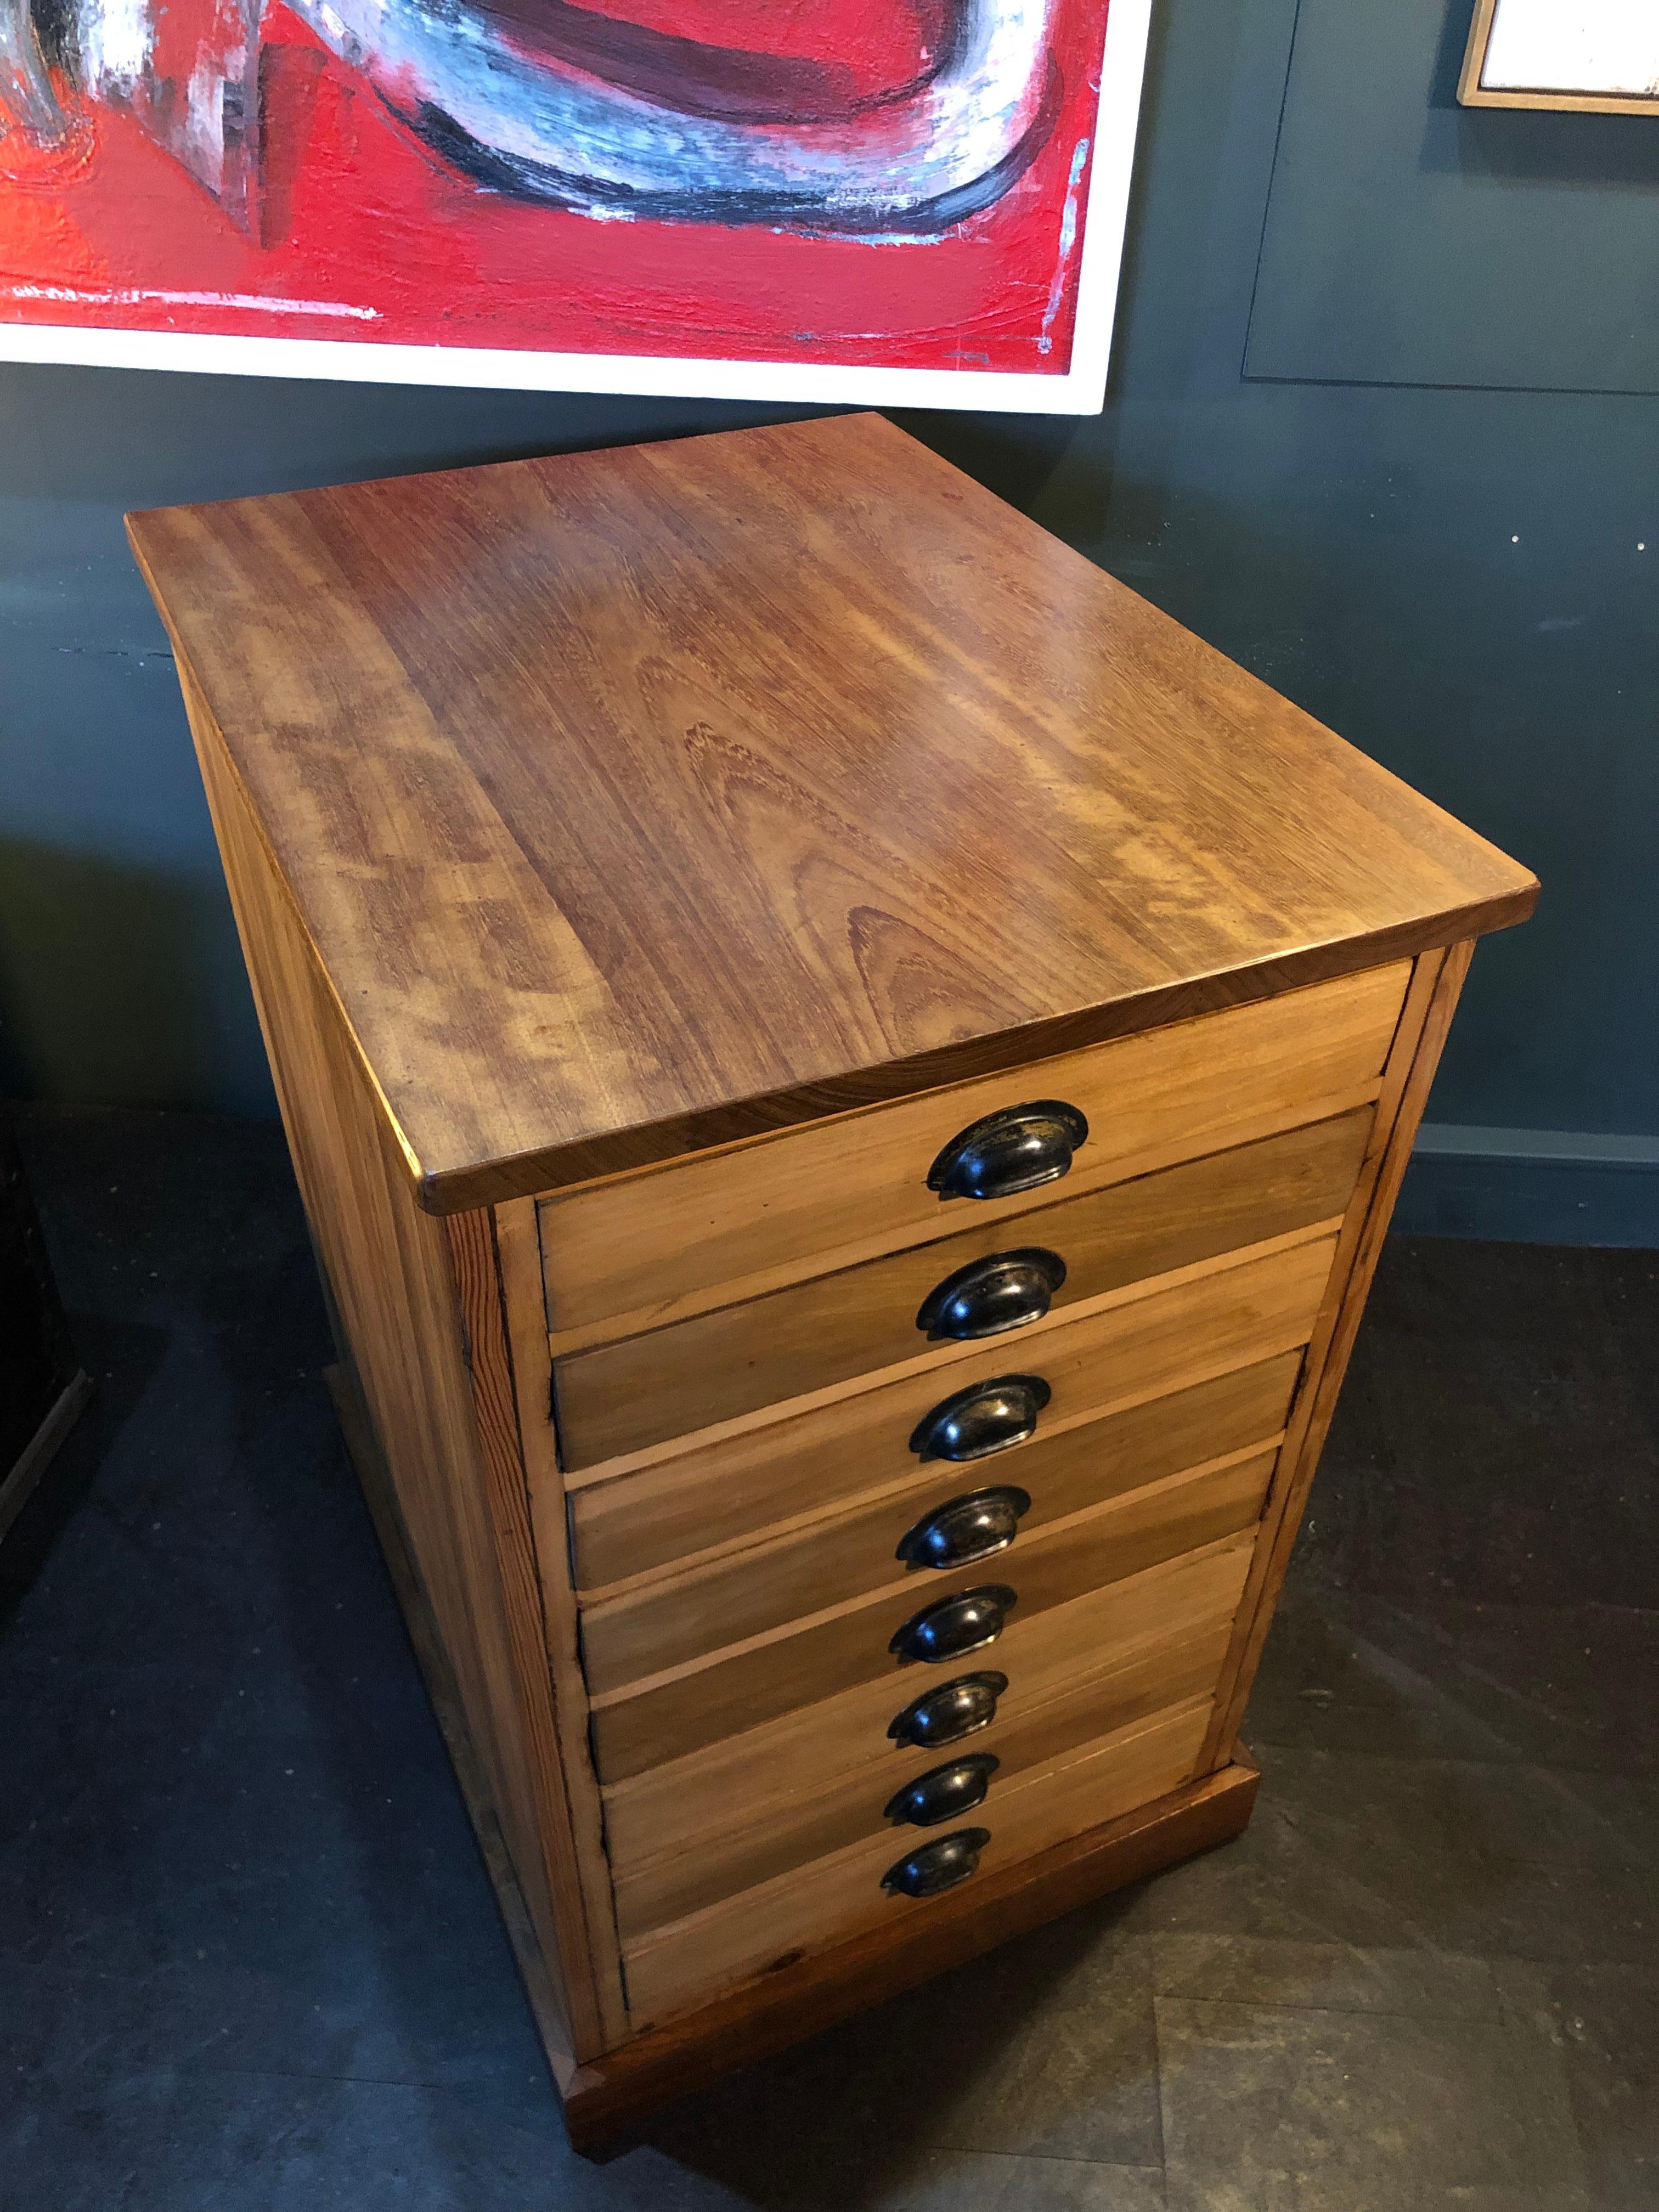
(870, 200)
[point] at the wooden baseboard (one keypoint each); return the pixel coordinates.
(611, 2095)
(36, 1456)
(608, 2096)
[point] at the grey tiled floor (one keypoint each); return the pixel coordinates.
(251, 1963)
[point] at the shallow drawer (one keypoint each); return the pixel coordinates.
(637, 1725)
(643, 1249)
(645, 1390)
(1139, 1344)
(692, 1871)
(767, 1771)
(765, 1585)
(811, 1907)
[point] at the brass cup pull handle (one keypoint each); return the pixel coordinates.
(952, 1626)
(986, 1418)
(939, 1865)
(951, 1711)
(967, 1528)
(1003, 1290)
(944, 1793)
(1019, 1149)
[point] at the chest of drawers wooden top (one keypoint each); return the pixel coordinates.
(848, 1076)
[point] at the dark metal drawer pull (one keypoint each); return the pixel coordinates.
(951, 1711)
(954, 1625)
(944, 1793)
(939, 1865)
(1019, 1149)
(966, 1529)
(1003, 1290)
(986, 1418)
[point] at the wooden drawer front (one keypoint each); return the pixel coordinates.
(779, 1766)
(769, 1840)
(622, 1396)
(646, 1721)
(809, 1906)
(1136, 1347)
(764, 1586)
(643, 1249)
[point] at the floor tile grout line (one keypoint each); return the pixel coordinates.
(1337, 2012)
(1050, 2158)
(1519, 1763)
(1157, 2078)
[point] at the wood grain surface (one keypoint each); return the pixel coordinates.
(630, 1642)
(769, 1772)
(390, 1273)
(641, 1722)
(821, 1818)
(1168, 1335)
(634, 1252)
(638, 801)
(620, 1397)
(669, 1969)
(751, 1587)
(555, 1748)
(584, 1869)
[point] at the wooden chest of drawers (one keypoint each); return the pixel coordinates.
(848, 1077)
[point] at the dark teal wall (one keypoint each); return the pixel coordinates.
(1302, 458)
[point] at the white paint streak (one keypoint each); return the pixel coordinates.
(118, 36)
(204, 134)
(259, 302)
(1067, 240)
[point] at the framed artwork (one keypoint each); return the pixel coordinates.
(1602, 56)
(878, 202)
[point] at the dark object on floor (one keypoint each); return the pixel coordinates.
(42, 1387)
(252, 1963)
